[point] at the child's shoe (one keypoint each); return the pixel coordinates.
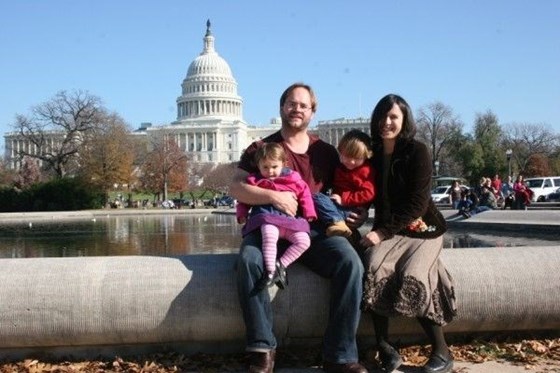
(266, 281)
(280, 277)
(338, 228)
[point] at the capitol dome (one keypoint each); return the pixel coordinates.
(209, 89)
(209, 63)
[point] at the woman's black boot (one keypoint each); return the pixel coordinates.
(389, 356)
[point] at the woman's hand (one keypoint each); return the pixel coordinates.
(372, 238)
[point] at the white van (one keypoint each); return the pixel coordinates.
(542, 186)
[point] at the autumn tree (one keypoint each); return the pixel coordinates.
(437, 127)
(165, 167)
(219, 178)
(555, 157)
(196, 173)
(57, 128)
(107, 153)
(139, 151)
(532, 146)
(28, 174)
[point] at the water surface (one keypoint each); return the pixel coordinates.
(173, 234)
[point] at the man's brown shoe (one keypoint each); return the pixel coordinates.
(261, 362)
(344, 368)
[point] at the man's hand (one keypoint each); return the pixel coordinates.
(356, 219)
(285, 202)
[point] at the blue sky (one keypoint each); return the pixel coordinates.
(472, 55)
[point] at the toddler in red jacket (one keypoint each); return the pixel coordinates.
(352, 185)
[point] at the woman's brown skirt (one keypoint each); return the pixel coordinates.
(405, 276)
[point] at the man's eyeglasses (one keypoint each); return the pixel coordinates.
(290, 105)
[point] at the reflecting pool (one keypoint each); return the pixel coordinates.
(175, 234)
(121, 235)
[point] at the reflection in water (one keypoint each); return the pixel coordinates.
(121, 235)
(169, 234)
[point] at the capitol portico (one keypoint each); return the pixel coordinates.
(209, 126)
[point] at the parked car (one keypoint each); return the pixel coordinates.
(168, 204)
(441, 194)
(554, 196)
(180, 203)
(225, 201)
(542, 186)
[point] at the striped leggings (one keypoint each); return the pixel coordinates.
(300, 242)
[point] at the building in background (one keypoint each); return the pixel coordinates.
(209, 127)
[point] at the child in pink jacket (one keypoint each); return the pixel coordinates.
(274, 224)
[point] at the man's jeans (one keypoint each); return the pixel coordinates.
(329, 257)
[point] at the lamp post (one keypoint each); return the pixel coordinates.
(509, 152)
(436, 165)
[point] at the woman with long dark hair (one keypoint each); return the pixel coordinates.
(404, 273)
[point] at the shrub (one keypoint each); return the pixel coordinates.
(56, 195)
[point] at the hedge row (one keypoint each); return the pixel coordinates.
(55, 195)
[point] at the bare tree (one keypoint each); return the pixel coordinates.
(56, 128)
(437, 127)
(531, 141)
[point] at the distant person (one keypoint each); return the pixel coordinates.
(273, 223)
(523, 193)
(404, 272)
(455, 194)
(508, 193)
(469, 204)
(486, 194)
(352, 185)
(497, 186)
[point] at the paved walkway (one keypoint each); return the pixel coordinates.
(508, 217)
(462, 367)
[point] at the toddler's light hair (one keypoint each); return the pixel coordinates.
(355, 144)
(272, 151)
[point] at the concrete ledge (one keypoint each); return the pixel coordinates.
(87, 302)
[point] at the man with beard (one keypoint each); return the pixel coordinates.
(330, 257)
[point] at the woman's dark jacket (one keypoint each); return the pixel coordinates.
(409, 184)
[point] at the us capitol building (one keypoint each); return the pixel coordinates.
(209, 127)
